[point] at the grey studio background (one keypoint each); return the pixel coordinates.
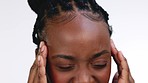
(129, 19)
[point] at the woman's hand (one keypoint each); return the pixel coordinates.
(123, 75)
(38, 70)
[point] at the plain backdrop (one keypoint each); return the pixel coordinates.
(129, 19)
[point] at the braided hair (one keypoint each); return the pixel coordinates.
(52, 8)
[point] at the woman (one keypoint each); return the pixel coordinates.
(74, 45)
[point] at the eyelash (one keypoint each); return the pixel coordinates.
(99, 65)
(65, 67)
(69, 67)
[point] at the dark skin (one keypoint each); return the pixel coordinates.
(78, 52)
(81, 40)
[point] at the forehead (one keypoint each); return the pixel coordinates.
(79, 34)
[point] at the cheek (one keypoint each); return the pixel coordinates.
(102, 76)
(59, 77)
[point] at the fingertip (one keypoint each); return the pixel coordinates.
(114, 50)
(112, 43)
(44, 52)
(42, 49)
(41, 44)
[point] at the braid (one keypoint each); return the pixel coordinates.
(35, 34)
(66, 5)
(82, 4)
(51, 8)
(98, 9)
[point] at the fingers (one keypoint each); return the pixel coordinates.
(37, 71)
(131, 79)
(40, 76)
(43, 51)
(33, 71)
(114, 52)
(123, 75)
(42, 71)
(123, 68)
(36, 77)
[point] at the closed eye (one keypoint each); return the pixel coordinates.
(99, 64)
(65, 68)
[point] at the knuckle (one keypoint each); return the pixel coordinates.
(34, 66)
(42, 75)
(125, 59)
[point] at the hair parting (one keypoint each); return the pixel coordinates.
(51, 8)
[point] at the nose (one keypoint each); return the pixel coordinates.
(83, 77)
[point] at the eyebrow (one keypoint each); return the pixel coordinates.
(68, 57)
(99, 54)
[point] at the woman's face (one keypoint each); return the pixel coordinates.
(79, 51)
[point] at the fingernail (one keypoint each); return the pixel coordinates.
(41, 44)
(41, 47)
